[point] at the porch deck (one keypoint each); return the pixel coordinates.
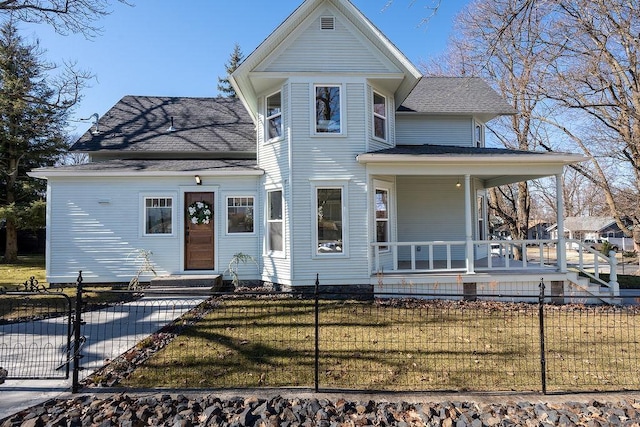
(490, 267)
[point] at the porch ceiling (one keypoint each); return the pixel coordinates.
(494, 166)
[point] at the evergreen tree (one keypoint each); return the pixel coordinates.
(33, 112)
(224, 85)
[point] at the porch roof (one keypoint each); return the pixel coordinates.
(495, 166)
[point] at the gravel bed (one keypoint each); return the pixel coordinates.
(211, 410)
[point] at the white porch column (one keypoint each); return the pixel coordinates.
(562, 247)
(468, 224)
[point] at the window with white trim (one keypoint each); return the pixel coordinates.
(240, 214)
(158, 216)
(327, 109)
(479, 135)
(382, 216)
(379, 116)
(481, 205)
(329, 222)
(274, 116)
(275, 221)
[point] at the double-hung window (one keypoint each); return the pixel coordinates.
(275, 221)
(240, 214)
(274, 116)
(379, 116)
(328, 109)
(158, 216)
(382, 217)
(330, 212)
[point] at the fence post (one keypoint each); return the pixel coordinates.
(543, 361)
(316, 376)
(77, 323)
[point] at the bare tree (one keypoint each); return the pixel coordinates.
(597, 75)
(512, 57)
(431, 8)
(65, 16)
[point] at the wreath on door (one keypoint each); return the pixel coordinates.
(199, 213)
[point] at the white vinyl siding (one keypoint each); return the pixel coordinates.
(430, 209)
(342, 49)
(95, 226)
(438, 130)
(323, 161)
(274, 158)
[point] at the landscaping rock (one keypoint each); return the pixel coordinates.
(182, 411)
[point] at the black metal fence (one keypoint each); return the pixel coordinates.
(35, 333)
(268, 339)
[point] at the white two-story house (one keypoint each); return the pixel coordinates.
(338, 160)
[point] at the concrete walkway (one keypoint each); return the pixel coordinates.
(109, 332)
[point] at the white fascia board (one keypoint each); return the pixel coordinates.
(250, 102)
(52, 173)
(542, 158)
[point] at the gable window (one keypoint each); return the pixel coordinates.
(327, 109)
(379, 116)
(382, 217)
(274, 116)
(275, 222)
(240, 215)
(158, 215)
(330, 237)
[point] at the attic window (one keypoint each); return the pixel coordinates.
(327, 23)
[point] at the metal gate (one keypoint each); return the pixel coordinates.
(35, 334)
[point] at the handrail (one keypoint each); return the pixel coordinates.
(610, 260)
(417, 260)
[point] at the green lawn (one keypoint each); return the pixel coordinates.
(425, 346)
(12, 277)
(17, 273)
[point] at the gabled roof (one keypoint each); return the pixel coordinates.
(245, 78)
(587, 223)
(455, 95)
(201, 125)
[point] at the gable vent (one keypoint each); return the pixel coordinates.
(327, 23)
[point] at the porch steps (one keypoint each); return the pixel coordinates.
(185, 283)
(599, 293)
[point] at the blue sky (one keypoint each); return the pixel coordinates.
(169, 48)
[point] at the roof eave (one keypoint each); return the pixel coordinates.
(541, 158)
(47, 173)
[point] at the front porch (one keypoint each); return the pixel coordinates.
(443, 267)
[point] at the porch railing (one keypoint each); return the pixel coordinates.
(491, 255)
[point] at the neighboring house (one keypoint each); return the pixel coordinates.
(538, 230)
(339, 159)
(588, 228)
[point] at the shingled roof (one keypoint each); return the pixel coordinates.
(455, 95)
(200, 125)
